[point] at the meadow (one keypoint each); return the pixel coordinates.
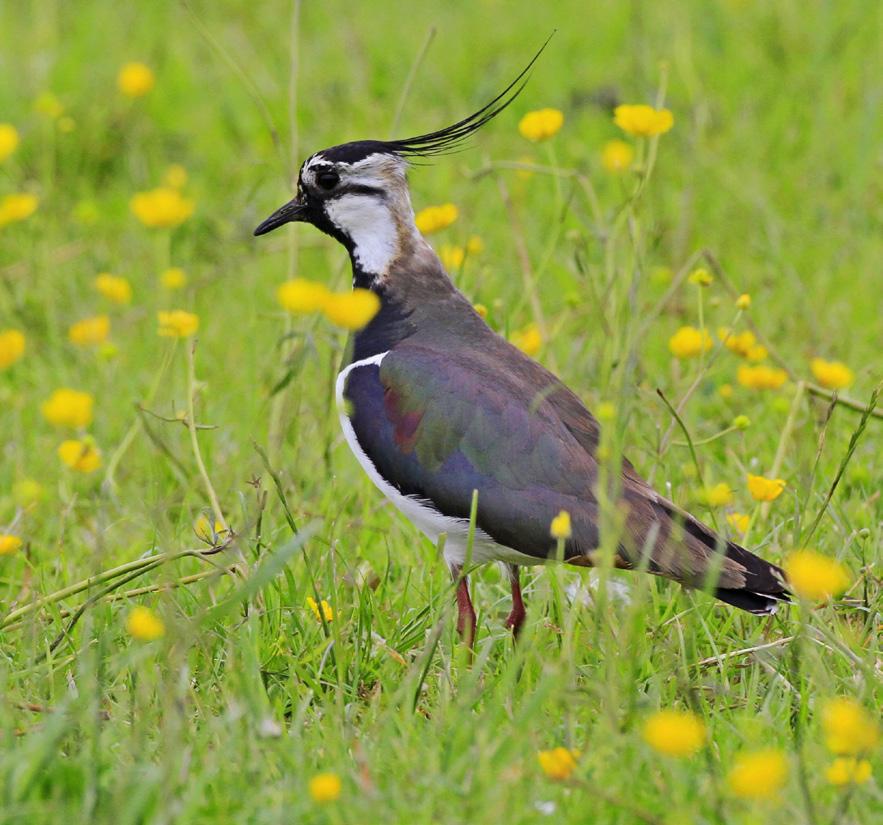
(209, 614)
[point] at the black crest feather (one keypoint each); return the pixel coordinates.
(450, 138)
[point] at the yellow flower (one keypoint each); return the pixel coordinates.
(135, 79)
(48, 105)
(560, 527)
(674, 732)
(765, 489)
(725, 391)
(700, 277)
(834, 375)
(12, 347)
(739, 522)
(481, 309)
(529, 340)
(113, 287)
(9, 544)
(301, 296)
(82, 456)
(27, 492)
(8, 140)
(849, 728)
(814, 576)
(474, 245)
(606, 411)
(643, 120)
(325, 787)
(177, 323)
(68, 408)
(175, 176)
(718, 495)
(741, 422)
(743, 301)
(742, 343)
(352, 310)
(144, 625)
(435, 218)
(848, 771)
(558, 763)
(689, 342)
(327, 610)
(210, 531)
(761, 377)
(17, 207)
(162, 208)
(89, 331)
(173, 278)
(758, 774)
(617, 156)
(757, 353)
(452, 256)
(541, 124)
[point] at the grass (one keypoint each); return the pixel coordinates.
(770, 178)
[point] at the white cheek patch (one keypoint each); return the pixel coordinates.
(367, 221)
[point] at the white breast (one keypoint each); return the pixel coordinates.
(419, 511)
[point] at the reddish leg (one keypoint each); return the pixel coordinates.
(516, 617)
(466, 621)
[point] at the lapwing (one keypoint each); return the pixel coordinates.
(435, 405)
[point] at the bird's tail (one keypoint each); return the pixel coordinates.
(741, 579)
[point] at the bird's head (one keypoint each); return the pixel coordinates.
(358, 192)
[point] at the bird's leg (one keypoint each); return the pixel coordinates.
(466, 621)
(517, 615)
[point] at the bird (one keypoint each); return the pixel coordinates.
(438, 408)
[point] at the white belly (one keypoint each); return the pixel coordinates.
(420, 511)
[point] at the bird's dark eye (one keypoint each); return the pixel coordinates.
(327, 180)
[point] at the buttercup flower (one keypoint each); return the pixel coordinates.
(177, 323)
(17, 207)
(743, 301)
(848, 771)
(302, 296)
(481, 309)
(113, 287)
(352, 310)
(12, 347)
(642, 120)
(68, 408)
(741, 422)
(325, 787)
(474, 245)
(814, 576)
(162, 208)
(529, 340)
(82, 456)
(89, 331)
(674, 732)
(689, 342)
(326, 610)
(9, 544)
(558, 763)
(452, 256)
(175, 176)
(541, 124)
(718, 495)
(135, 79)
(560, 527)
(849, 729)
(761, 377)
(617, 156)
(700, 277)
(435, 218)
(8, 140)
(834, 375)
(144, 625)
(765, 489)
(739, 521)
(758, 774)
(173, 278)
(741, 343)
